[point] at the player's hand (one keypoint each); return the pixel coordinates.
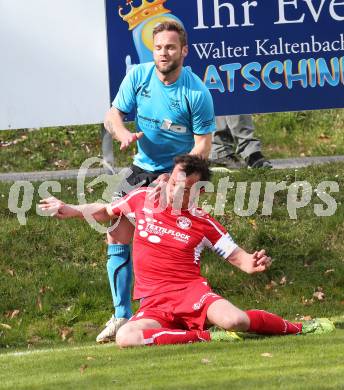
(159, 185)
(261, 262)
(56, 208)
(128, 138)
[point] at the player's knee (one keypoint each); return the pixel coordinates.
(121, 232)
(122, 341)
(112, 237)
(123, 337)
(129, 337)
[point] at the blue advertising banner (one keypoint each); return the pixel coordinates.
(254, 56)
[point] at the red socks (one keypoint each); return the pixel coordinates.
(263, 322)
(174, 336)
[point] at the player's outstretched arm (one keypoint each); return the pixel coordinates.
(202, 145)
(250, 262)
(115, 126)
(58, 209)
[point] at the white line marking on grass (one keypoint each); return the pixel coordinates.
(57, 350)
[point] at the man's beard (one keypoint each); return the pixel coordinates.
(169, 69)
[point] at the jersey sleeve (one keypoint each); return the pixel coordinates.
(128, 204)
(203, 116)
(221, 242)
(125, 100)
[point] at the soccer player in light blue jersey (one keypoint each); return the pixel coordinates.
(174, 115)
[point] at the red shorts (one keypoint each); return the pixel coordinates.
(180, 309)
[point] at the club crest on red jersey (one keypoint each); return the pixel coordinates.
(184, 223)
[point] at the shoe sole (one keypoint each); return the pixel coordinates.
(106, 341)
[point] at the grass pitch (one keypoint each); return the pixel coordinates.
(289, 362)
(54, 293)
(53, 279)
(289, 134)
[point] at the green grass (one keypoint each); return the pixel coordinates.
(54, 273)
(292, 134)
(54, 285)
(54, 148)
(299, 134)
(293, 362)
(54, 290)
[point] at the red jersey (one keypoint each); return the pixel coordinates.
(167, 247)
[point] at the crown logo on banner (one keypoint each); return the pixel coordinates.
(146, 10)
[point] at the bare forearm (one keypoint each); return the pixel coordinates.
(241, 259)
(96, 210)
(114, 123)
(202, 146)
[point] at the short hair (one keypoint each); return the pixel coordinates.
(194, 164)
(171, 25)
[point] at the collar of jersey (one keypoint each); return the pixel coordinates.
(168, 85)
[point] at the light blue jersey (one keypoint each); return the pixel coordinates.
(168, 115)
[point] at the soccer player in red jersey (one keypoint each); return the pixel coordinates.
(177, 304)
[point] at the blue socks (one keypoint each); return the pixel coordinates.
(119, 269)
